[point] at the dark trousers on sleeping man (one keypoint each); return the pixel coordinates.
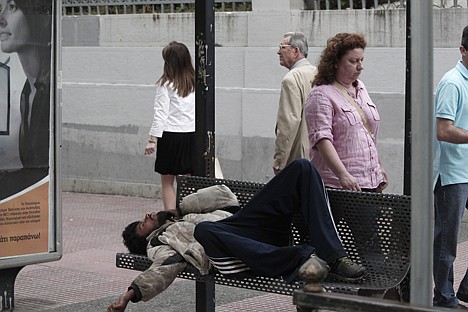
(255, 240)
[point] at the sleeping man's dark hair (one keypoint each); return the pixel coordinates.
(135, 244)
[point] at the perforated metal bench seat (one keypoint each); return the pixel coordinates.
(374, 229)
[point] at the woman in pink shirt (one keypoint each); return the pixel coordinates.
(342, 120)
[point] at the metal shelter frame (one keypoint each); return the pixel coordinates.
(418, 128)
(205, 87)
(418, 131)
(421, 136)
(11, 266)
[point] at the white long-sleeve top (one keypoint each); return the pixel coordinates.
(172, 113)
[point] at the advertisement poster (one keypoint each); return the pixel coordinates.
(26, 138)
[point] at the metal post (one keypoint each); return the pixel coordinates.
(205, 293)
(407, 150)
(205, 86)
(7, 288)
(421, 142)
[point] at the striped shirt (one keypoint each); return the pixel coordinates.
(229, 265)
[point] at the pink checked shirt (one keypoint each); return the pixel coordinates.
(329, 115)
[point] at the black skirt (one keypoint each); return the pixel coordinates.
(175, 153)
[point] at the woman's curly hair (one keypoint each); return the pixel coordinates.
(336, 48)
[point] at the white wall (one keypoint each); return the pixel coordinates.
(109, 74)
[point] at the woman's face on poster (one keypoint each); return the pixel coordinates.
(14, 28)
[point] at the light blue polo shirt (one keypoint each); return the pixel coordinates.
(451, 102)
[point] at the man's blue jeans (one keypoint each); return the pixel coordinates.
(450, 202)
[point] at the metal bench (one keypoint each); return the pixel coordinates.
(374, 228)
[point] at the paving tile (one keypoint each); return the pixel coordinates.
(268, 302)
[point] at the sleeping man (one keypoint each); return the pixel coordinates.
(254, 241)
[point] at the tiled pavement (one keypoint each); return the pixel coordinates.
(86, 279)
(91, 228)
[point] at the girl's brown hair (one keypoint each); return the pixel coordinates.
(336, 47)
(178, 68)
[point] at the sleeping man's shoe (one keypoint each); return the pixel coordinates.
(344, 269)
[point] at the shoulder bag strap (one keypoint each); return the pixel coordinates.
(356, 105)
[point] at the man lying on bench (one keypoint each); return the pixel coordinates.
(252, 242)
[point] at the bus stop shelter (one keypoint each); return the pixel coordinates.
(418, 148)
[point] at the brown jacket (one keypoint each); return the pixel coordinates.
(176, 238)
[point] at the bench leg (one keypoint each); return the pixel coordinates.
(7, 288)
(205, 295)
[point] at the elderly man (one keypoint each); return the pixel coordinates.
(291, 129)
(254, 241)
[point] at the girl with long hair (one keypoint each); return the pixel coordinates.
(172, 134)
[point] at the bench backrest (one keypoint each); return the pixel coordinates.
(374, 228)
(244, 191)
